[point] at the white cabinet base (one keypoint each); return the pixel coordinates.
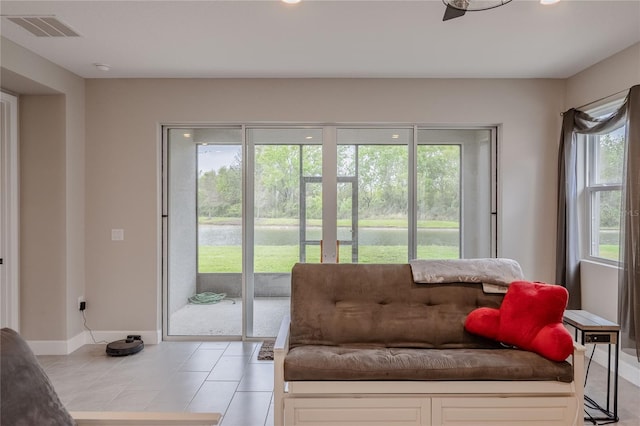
(548, 411)
(416, 410)
(390, 411)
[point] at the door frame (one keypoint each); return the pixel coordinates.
(9, 214)
(329, 181)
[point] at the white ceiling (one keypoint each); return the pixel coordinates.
(322, 38)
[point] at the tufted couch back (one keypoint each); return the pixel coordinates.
(379, 305)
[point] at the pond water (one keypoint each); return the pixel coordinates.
(611, 237)
(231, 235)
(226, 235)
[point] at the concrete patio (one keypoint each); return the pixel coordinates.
(225, 318)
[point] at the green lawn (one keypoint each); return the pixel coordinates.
(282, 258)
(609, 251)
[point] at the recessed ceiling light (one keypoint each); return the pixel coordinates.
(102, 67)
(395, 136)
(186, 135)
(291, 1)
(308, 137)
(548, 2)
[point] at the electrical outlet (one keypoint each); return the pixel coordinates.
(82, 304)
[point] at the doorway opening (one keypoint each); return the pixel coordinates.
(9, 213)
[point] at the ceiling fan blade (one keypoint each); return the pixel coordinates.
(453, 12)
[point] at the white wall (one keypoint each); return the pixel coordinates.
(600, 289)
(30, 76)
(617, 73)
(182, 220)
(43, 216)
(123, 152)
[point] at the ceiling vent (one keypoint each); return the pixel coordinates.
(44, 26)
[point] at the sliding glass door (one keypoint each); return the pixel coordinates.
(455, 193)
(242, 204)
(373, 199)
(203, 231)
(284, 226)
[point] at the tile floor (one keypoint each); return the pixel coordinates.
(223, 377)
(628, 395)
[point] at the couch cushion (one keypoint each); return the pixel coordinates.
(28, 398)
(381, 305)
(357, 363)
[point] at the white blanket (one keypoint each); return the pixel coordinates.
(494, 274)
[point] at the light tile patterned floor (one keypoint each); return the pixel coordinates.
(223, 377)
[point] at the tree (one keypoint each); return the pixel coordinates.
(609, 170)
(611, 155)
(220, 194)
(383, 180)
(277, 183)
(439, 182)
(207, 194)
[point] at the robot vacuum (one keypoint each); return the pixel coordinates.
(129, 346)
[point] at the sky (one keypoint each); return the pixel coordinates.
(214, 157)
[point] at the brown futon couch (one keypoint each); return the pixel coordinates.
(366, 343)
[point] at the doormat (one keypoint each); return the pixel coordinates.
(266, 351)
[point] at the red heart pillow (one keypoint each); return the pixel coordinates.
(530, 318)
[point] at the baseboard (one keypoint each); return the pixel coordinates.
(65, 347)
(628, 367)
(57, 347)
(150, 337)
(76, 342)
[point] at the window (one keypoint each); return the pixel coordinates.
(604, 165)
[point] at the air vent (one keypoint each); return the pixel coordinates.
(44, 26)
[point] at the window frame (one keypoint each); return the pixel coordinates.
(590, 163)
